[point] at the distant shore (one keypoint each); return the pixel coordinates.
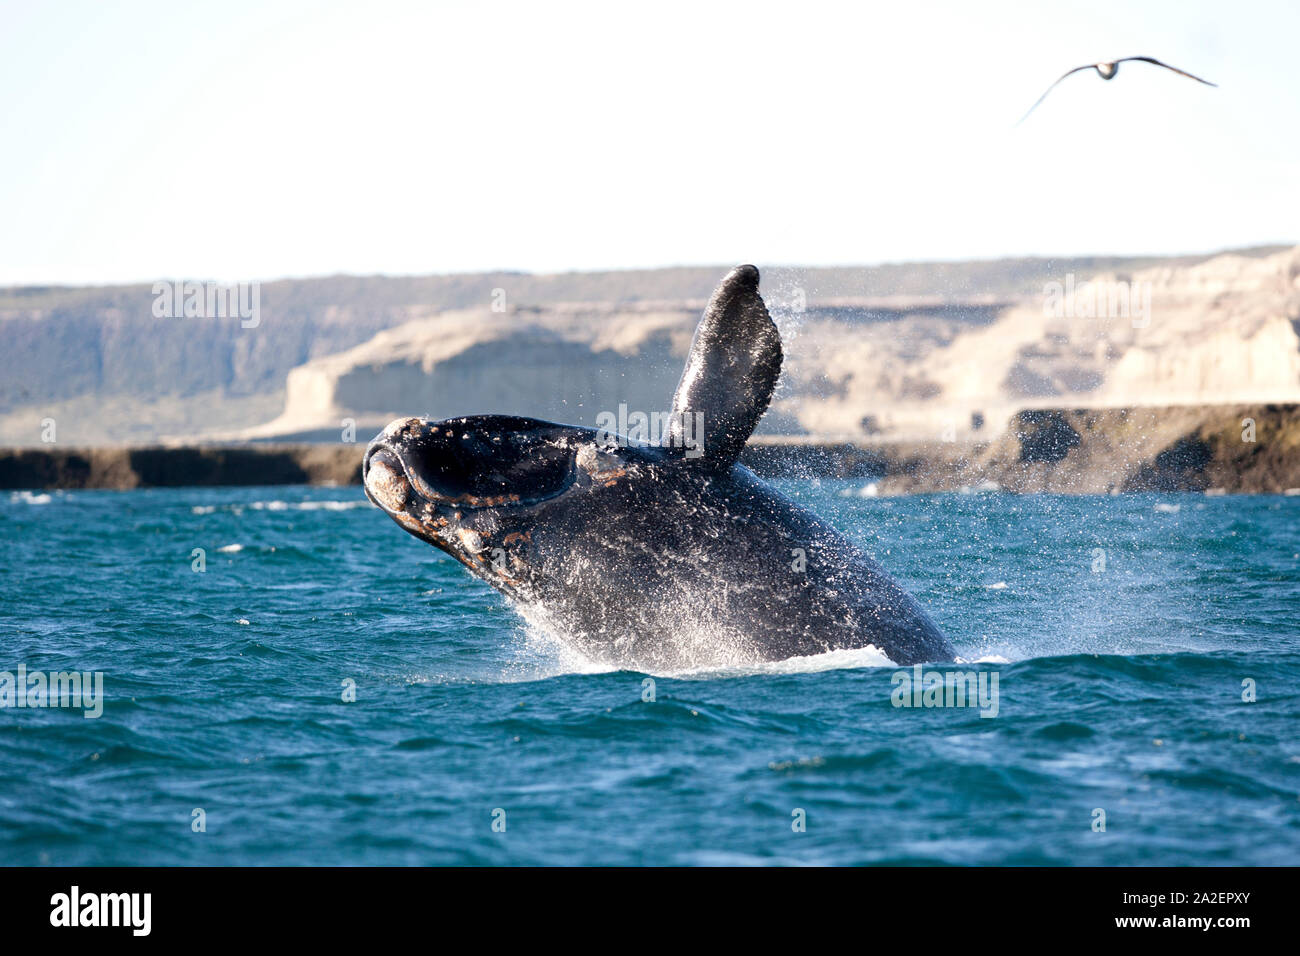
(1236, 449)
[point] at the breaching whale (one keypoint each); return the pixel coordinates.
(652, 556)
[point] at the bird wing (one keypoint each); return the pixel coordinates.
(1151, 59)
(1086, 66)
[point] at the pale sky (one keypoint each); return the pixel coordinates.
(236, 141)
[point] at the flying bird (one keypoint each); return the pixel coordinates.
(1107, 71)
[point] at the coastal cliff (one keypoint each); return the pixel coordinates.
(900, 352)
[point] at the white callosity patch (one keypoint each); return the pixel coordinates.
(470, 540)
(388, 484)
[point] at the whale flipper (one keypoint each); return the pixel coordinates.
(731, 371)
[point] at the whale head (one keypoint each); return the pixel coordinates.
(473, 486)
(480, 487)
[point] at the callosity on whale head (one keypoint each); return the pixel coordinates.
(668, 556)
(476, 487)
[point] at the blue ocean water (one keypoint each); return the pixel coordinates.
(1120, 629)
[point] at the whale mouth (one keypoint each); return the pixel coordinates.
(467, 463)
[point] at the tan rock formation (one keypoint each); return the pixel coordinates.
(1222, 331)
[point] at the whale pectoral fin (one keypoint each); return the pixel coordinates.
(730, 373)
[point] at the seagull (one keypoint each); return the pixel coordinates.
(1107, 71)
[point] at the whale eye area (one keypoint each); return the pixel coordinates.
(466, 462)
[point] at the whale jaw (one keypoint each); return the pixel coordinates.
(472, 486)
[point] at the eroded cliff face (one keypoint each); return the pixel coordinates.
(563, 364)
(891, 367)
(1221, 332)
(906, 352)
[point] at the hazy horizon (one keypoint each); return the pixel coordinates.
(1252, 248)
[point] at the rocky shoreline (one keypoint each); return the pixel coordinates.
(1237, 449)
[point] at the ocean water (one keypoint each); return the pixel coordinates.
(1123, 632)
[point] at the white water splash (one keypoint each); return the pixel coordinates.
(811, 664)
(869, 490)
(30, 497)
(545, 653)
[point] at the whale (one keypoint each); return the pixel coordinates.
(652, 556)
